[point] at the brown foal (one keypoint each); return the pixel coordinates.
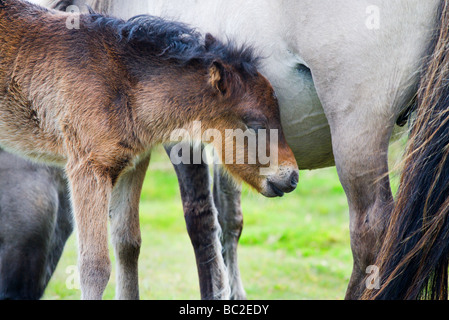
(97, 98)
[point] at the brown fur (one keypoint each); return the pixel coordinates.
(96, 104)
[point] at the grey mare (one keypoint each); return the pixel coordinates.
(345, 72)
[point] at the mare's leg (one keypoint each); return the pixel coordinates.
(203, 228)
(125, 229)
(91, 191)
(360, 144)
(362, 98)
(227, 200)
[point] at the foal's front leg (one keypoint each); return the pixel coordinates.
(91, 190)
(125, 229)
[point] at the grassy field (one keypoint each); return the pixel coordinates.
(296, 247)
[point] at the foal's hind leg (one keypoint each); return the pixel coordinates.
(203, 228)
(125, 229)
(227, 195)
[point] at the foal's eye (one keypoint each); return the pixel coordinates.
(256, 127)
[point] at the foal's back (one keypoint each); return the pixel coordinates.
(51, 74)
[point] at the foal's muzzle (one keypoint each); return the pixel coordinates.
(278, 185)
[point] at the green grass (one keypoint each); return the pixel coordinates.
(296, 247)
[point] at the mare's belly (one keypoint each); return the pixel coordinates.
(305, 125)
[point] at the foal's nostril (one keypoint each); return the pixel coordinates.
(294, 179)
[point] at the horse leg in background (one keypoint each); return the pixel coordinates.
(35, 222)
(227, 195)
(125, 229)
(203, 227)
(25, 245)
(64, 224)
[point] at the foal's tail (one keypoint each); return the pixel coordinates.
(413, 261)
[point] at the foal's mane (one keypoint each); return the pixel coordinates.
(177, 41)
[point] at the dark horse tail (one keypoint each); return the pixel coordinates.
(413, 261)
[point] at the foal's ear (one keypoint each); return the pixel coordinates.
(209, 41)
(219, 77)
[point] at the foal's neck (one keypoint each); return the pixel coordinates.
(169, 97)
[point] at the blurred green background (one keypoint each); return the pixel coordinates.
(295, 247)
